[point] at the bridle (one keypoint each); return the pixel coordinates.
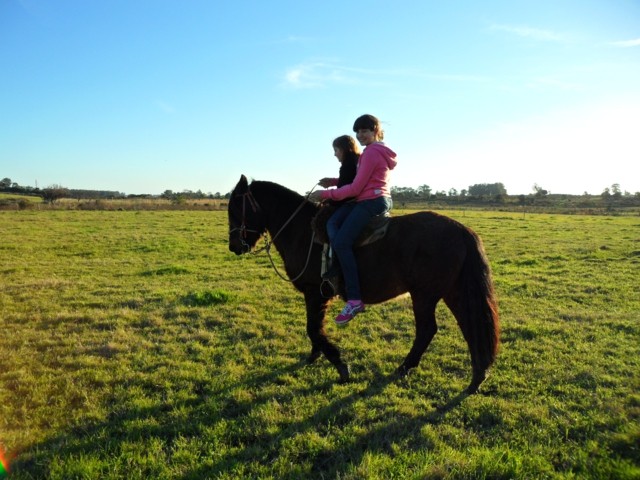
(247, 197)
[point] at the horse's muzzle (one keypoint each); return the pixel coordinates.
(239, 247)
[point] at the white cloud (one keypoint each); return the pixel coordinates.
(626, 43)
(529, 32)
(293, 39)
(555, 83)
(317, 74)
(164, 106)
(311, 75)
(326, 73)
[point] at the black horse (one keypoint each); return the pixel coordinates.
(430, 256)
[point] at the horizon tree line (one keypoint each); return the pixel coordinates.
(481, 191)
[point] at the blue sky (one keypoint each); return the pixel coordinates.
(142, 96)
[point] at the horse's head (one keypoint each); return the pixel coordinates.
(246, 220)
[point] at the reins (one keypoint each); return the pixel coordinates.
(268, 243)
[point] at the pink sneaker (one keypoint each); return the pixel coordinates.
(350, 310)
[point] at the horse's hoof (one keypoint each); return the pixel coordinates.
(343, 370)
(476, 381)
(401, 372)
(313, 357)
(472, 388)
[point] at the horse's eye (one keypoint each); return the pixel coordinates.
(233, 216)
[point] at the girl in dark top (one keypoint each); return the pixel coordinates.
(347, 152)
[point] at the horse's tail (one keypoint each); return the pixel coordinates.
(479, 318)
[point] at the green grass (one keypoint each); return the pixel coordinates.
(14, 201)
(136, 346)
(17, 196)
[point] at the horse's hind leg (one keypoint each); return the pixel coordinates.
(320, 344)
(479, 367)
(424, 311)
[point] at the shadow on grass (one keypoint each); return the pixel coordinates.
(110, 442)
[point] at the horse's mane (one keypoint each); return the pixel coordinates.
(261, 187)
(283, 202)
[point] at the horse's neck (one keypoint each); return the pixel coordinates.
(288, 219)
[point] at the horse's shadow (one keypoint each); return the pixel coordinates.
(215, 406)
(339, 413)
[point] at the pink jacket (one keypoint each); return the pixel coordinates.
(372, 178)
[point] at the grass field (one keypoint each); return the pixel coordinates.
(136, 346)
(9, 201)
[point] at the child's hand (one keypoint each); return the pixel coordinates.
(314, 196)
(325, 182)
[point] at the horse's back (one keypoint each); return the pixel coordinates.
(421, 251)
(427, 218)
(426, 228)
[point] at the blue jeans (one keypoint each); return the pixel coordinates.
(343, 229)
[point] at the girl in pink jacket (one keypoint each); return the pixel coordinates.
(372, 194)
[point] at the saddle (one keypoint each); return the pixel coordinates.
(374, 231)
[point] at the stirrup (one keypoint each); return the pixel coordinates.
(328, 289)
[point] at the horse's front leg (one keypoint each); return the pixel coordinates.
(320, 344)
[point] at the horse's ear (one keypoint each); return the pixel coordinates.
(243, 185)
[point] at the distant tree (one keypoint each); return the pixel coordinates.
(5, 183)
(424, 191)
(53, 193)
(487, 189)
(167, 195)
(615, 190)
(606, 193)
(453, 192)
(540, 192)
(95, 194)
(500, 189)
(403, 193)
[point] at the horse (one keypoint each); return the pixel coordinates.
(430, 256)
